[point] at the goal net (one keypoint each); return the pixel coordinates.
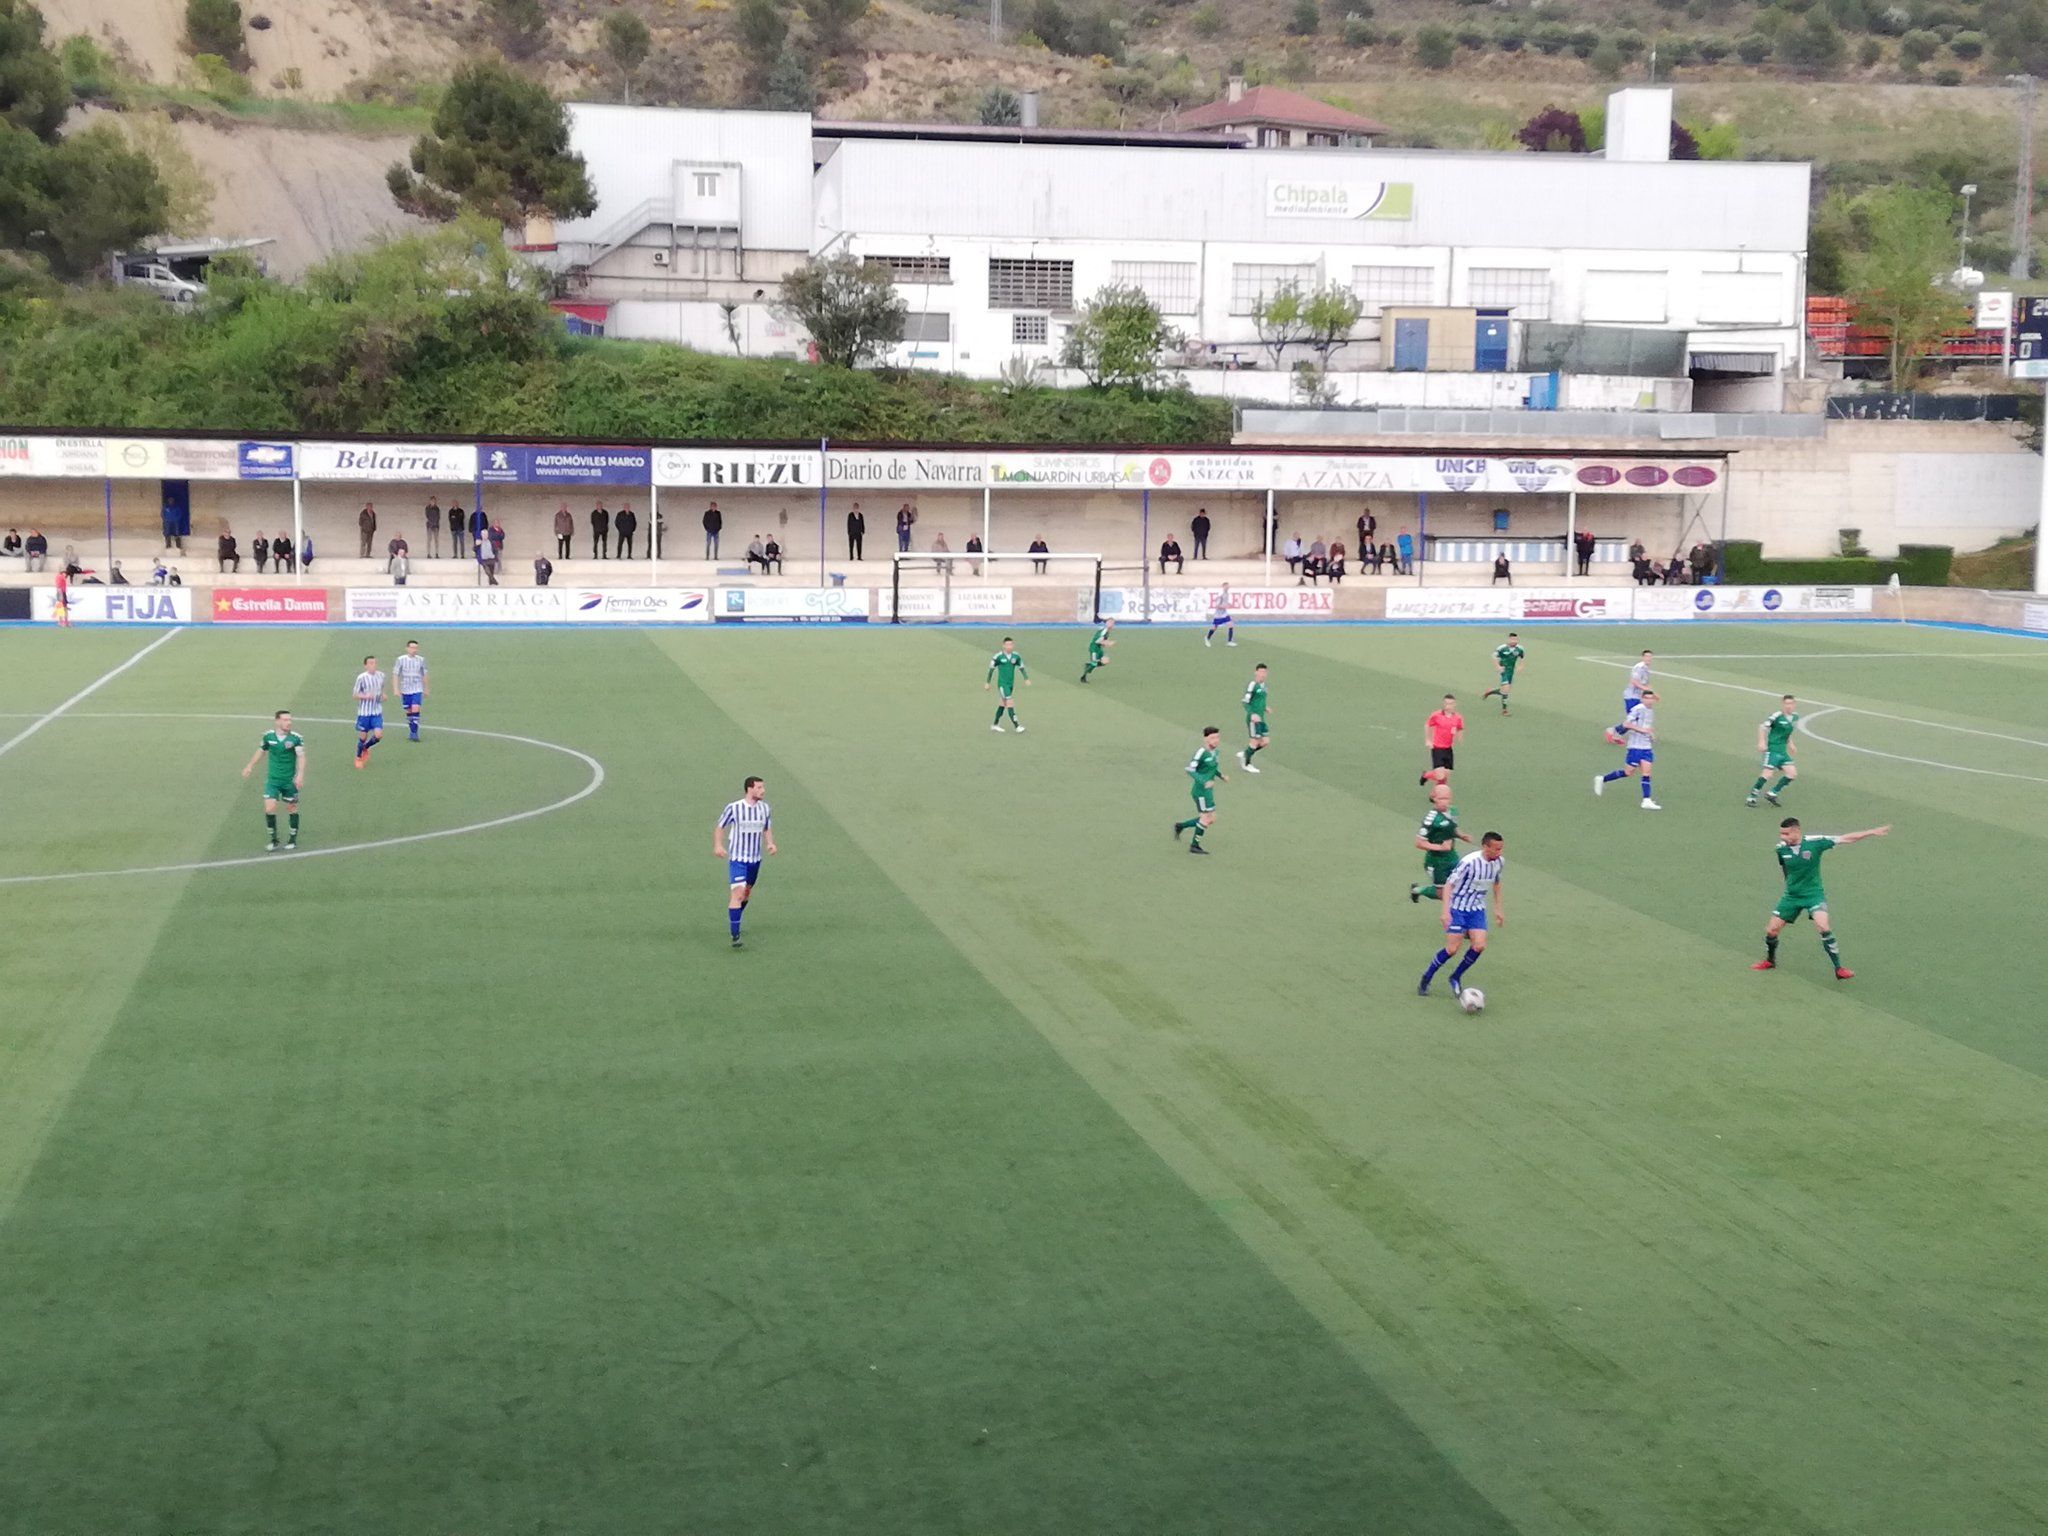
(938, 587)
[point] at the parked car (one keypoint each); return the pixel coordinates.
(135, 272)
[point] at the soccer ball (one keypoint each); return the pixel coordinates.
(1471, 999)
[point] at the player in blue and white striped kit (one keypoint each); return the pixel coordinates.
(750, 823)
(410, 673)
(369, 695)
(1474, 883)
(1632, 693)
(1641, 726)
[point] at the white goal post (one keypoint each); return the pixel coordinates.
(922, 582)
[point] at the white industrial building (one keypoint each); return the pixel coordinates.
(1626, 263)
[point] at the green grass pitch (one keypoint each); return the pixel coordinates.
(1023, 1174)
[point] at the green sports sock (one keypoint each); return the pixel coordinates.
(1199, 830)
(999, 715)
(295, 823)
(1779, 787)
(270, 821)
(1433, 892)
(1251, 752)
(1182, 826)
(1827, 942)
(1759, 784)
(1013, 714)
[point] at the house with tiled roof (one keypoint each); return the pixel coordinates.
(1272, 117)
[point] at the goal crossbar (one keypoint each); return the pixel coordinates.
(952, 568)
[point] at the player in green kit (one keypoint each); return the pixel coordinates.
(1507, 657)
(1799, 858)
(284, 776)
(1438, 838)
(1257, 728)
(1774, 741)
(1098, 647)
(1004, 668)
(1205, 768)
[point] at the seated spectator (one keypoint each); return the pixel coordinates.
(11, 545)
(974, 548)
(1674, 573)
(1314, 563)
(1038, 547)
(36, 553)
(1169, 549)
(1293, 553)
(1501, 573)
(71, 567)
(229, 556)
(1389, 561)
(1636, 551)
(543, 570)
(115, 578)
(1647, 573)
(281, 552)
(1369, 557)
(159, 575)
(941, 549)
(260, 548)
(1336, 567)
(176, 580)
(757, 554)
(401, 567)
(771, 556)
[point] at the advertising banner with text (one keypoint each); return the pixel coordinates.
(639, 605)
(53, 457)
(118, 605)
(738, 469)
(270, 605)
(1193, 605)
(792, 605)
(546, 464)
(166, 458)
(908, 470)
(1778, 602)
(419, 463)
(456, 605)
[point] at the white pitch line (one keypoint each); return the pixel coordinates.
(88, 691)
(1806, 729)
(2039, 652)
(1852, 709)
(596, 781)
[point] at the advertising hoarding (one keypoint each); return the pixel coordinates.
(269, 605)
(792, 605)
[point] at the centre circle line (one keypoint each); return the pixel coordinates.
(595, 783)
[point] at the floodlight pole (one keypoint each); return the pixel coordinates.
(824, 443)
(2041, 530)
(1145, 548)
(298, 523)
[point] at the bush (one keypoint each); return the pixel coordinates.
(218, 79)
(1509, 39)
(1948, 75)
(1814, 45)
(1714, 49)
(1306, 18)
(1917, 47)
(1434, 48)
(1207, 20)
(1550, 38)
(1967, 45)
(1583, 41)
(1677, 52)
(1606, 60)
(1471, 37)
(1630, 44)
(88, 68)
(1753, 48)
(1917, 565)
(1869, 52)
(1359, 33)
(1849, 15)
(215, 26)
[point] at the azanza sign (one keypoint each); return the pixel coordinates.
(1314, 197)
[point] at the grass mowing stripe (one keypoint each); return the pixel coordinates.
(1420, 1163)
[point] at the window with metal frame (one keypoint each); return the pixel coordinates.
(925, 325)
(1030, 282)
(1252, 283)
(1523, 291)
(1169, 284)
(1030, 330)
(1377, 287)
(913, 271)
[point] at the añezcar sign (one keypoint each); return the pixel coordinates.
(1304, 197)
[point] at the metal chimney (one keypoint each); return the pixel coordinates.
(1028, 118)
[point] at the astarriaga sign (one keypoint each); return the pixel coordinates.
(417, 463)
(1319, 197)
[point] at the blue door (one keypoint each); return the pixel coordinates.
(1411, 345)
(1490, 344)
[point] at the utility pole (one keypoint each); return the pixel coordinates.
(995, 21)
(2023, 193)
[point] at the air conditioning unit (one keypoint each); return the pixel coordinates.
(661, 258)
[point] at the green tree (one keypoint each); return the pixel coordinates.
(1813, 45)
(850, 310)
(1605, 60)
(1917, 47)
(188, 192)
(999, 108)
(833, 21)
(33, 95)
(2018, 30)
(1281, 319)
(75, 201)
(626, 42)
(1906, 238)
(215, 26)
(1329, 314)
(1434, 47)
(522, 25)
(499, 145)
(1208, 20)
(1305, 18)
(788, 86)
(1119, 338)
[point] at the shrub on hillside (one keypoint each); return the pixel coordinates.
(1435, 48)
(1713, 50)
(1948, 75)
(1305, 19)
(1471, 37)
(215, 26)
(1583, 41)
(1551, 38)
(1510, 38)
(1967, 45)
(1207, 20)
(1917, 47)
(1605, 60)
(1753, 48)
(1359, 33)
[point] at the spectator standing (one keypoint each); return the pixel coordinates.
(1293, 553)
(1368, 527)
(498, 542)
(771, 556)
(856, 532)
(433, 545)
(905, 516)
(1405, 545)
(600, 532)
(260, 548)
(229, 556)
(1169, 549)
(305, 558)
(543, 570)
(1585, 543)
(479, 523)
(1501, 573)
(366, 524)
(394, 549)
(714, 523)
(401, 567)
(458, 530)
(565, 530)
(625, 525)
(1038, 547)
(1200, 529)
(1390, 559)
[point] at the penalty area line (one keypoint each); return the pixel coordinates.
(87, 691)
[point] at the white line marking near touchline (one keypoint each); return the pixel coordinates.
(88, 690)
(596, 781)
(2040, 652)
(1806, 729)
